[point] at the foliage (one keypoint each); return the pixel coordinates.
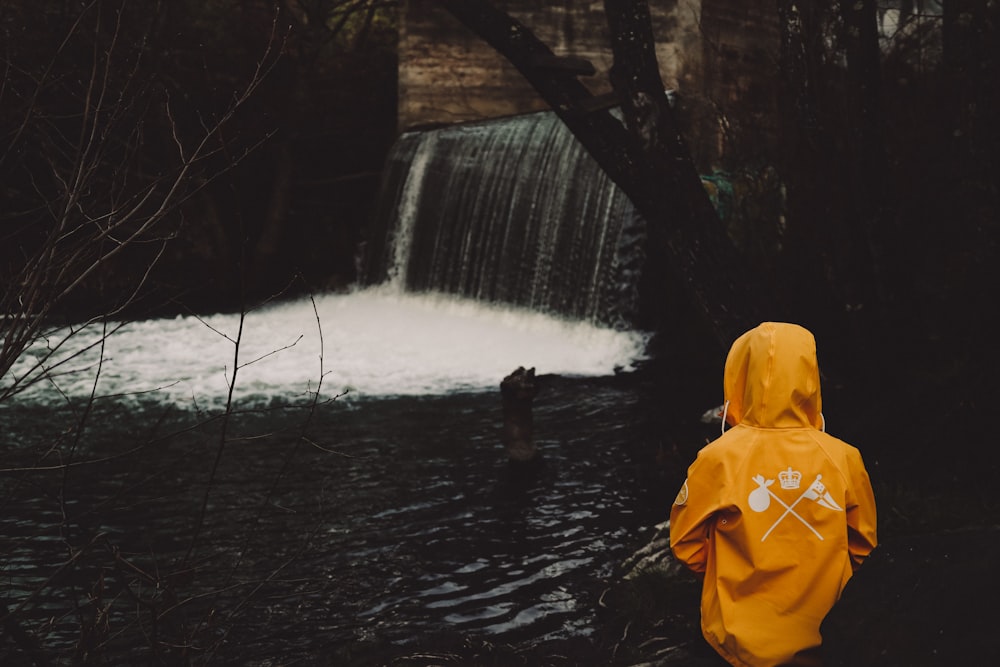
(880, 131)
(318, 128)
(891, 187)
(96, 162)
(118, 134)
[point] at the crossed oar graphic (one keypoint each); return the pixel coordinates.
(760, 500)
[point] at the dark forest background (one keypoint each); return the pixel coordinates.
(104, 102)
(162, 157)
(191, 157)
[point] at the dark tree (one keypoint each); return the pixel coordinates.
(886, 146)
(646, 156)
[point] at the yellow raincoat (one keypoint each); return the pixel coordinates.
(775, 514)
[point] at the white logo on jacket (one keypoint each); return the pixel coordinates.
(760, 498)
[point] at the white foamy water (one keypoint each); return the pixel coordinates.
(375, 342)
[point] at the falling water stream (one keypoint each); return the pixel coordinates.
(511, 211)
(359, 491)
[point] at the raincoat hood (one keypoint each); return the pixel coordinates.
(771, 378)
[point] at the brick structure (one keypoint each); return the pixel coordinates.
(716, 53)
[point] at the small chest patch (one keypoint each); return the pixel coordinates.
(682, 495)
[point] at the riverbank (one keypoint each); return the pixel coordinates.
(919, 600)
(924, 597)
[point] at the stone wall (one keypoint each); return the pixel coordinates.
(719, 55)
(447, 74)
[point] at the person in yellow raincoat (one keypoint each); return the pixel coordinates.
(775, 514)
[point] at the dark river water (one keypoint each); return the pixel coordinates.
(291, 532)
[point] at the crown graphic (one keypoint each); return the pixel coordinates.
(790, 479)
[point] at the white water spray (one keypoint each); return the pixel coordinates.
(374, 342)
(407, 210)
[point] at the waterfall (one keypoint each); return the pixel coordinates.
(508, 211)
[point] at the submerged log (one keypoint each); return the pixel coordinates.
(518, 391)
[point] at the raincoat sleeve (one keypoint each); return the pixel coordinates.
(861, 514)
(691, 517)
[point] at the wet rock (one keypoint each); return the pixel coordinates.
(654, 557)
(650, 612)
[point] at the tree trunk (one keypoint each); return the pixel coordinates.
(867, 218)
(971, 45)
(648, 160)
(816, 243)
